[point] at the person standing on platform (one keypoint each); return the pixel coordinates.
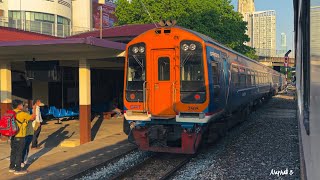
(28, 139)
(18, 141)
(36, 124)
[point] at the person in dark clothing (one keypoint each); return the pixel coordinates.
(28, 140)
(35, 137)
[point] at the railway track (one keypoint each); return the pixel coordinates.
(160, 166)
(91, 169)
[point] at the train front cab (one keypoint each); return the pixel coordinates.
(166, 92)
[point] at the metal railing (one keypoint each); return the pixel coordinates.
(41, 27)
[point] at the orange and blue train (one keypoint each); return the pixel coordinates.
(178, 82)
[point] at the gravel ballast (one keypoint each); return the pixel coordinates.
(118, 166)
(265, 146)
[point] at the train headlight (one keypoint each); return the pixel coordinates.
(141, 49)
(192, 47)
(135, 50)
(185, 47)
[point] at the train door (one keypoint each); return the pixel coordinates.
(163, 76)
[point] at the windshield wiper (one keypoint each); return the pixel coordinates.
(186, 59)
(138, 61)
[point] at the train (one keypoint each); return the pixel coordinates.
(180, 86)
(307, 55)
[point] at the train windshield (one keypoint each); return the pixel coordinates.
(136, 67)
(191, 67)
(136, 72)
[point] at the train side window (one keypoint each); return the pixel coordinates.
(164, 69)
(249, 78)
(235, 76)
(253, 81)
(215, 73)
(242, 79)
(215, 78)
(265, 78)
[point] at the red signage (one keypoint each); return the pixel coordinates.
(108, 16)
(286, 61)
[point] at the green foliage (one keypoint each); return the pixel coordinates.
(216, 19)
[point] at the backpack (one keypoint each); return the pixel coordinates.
(8, 124)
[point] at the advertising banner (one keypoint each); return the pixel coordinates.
(108, 16)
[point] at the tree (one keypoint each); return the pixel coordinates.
(214, 18)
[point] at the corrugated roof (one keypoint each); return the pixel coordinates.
(12, 34)
(130, 30)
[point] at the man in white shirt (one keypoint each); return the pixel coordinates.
(36, 123)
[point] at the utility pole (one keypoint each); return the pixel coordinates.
(286, 62)
(101, 2)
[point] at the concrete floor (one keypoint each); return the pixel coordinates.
(104, 133)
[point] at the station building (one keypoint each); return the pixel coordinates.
(60, 18)
(81, 70)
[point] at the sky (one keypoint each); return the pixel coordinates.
(284, 17)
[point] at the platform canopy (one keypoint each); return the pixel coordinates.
(89, 48)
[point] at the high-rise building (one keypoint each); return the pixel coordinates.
(264, 32)
(246, 6)
(283, 42)
(261, 28)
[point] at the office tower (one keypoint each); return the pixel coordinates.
(246, 6)
(283, 42)
(264, 32)
(261, 28)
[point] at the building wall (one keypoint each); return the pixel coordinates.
(81, 15)
(4, 8)
(56, 7)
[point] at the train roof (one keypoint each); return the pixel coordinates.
(212, 41)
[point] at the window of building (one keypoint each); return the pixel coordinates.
(63, 20)
(14, 15)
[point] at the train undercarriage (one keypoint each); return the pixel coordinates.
(185, 138)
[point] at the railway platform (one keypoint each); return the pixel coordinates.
(54, 161)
